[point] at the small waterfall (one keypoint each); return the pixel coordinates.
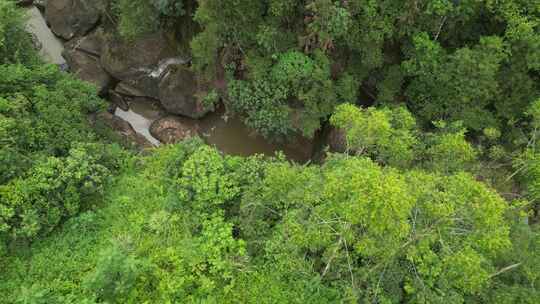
(162, 66)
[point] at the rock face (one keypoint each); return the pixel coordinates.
(40, 4)
(127, 90)
(118, 100)
(169, 130)
(177, 93)
(136, 63)
(70, 18)
(91, 44)
(87, 68)
(337, 141)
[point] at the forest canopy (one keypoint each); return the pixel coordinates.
(290, 63)
(427, 193)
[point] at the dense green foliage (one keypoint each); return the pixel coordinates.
(143, 17)
(188, 225)
(386, 134)
(291, 62)
(475, 61)
(48, 168)
(435, 199)
(391, 137)
(51, 163)
(15, 43)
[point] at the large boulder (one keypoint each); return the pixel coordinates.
(169, 130)
(87, 67)
(136, 63)
(91, 44)
(178, 93)
(70, 18)
(127, 90)
(118, 100)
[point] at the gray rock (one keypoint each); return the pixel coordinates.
(169, 130)
(118, 100)
(91, 44)
(140, 85)
(126, 89)
(36, 43)
(135, 63)
(70, 18)
(88, 68)
(178, 93)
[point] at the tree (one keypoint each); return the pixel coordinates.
(53, 189)
(386, 134)
(458, 86)
(117, 274)
(448, 150)
(376, 234)
(15, 43)
(140, 17)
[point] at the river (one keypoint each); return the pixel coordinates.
(51, 46)
(228, 134)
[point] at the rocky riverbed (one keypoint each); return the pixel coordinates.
(155, 97)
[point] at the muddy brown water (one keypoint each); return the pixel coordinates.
(228, 134)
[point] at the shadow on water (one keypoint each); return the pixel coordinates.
(232, 136)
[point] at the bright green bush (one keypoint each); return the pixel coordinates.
(403, 237)
(40, 103)
(50, 171)
(388, 135)
(188, 224)
(450, 152)
(53, 189)
(116, 276)
(265, 98)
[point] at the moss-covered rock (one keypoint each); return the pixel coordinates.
(70, 18)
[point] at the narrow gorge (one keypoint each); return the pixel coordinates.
(154, 96)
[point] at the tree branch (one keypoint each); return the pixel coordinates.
(505, 269)
(332, 257)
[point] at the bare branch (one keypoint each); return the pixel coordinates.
(505, 269)
(334, 254)
(440, 28)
